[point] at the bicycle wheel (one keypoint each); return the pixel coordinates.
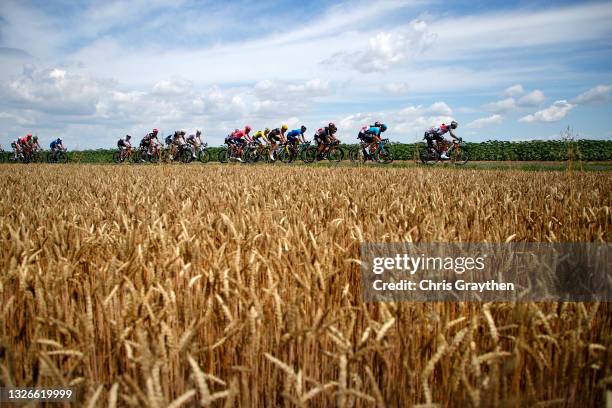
(384, 155)
(309, 154)
(285, 155)
(185, 156)
(459, 155)
(50, 158)
(356, 155)
(429, 156)
(61, 157)
(335, 154)
(204, 156)
(222, 155)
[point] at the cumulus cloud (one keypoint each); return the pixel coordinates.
(54, 91)
(553, 113)
(501, 106)
(175, 86)
(397, 87)
(600, 93)
(514, 90)
(483, 122)
(386, 49)
(533, 98)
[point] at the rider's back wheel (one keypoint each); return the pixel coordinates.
(335, 154)
(285, 155)
(222, 155)
(62, 157)
(204, 156)
(429, 156)
(50, 158)
(309, 154)
(356, 155)
(185, 156)
(117, 157)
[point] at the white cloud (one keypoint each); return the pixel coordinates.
(533, 98)
(483, 122)
(175, 86)
(553, 113)
(600, 93)
(501, 106)
(397, 87)
(514, 90)
(386, 49)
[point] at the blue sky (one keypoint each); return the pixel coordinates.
(91, 72)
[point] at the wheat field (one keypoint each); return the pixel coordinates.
(155, 286)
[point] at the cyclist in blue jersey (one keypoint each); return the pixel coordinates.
(295, 135)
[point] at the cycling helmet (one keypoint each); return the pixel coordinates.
(182, 132)
(303, 128)
(284, 127)
(128, 137)
(383, 127)
(377, 124)
(198, 131)
(155, 130)
(454, 125)
(247, 128)
(59, 140)
(35, 138)
(266, 131)
(29, 136)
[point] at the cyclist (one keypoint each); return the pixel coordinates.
(55, 146)
(371, 136)
(276, 135)
(240, 138)
(260, 137)
(34, 144)
(24, 144)
(436, 133)
(325, 136)
(295, 135)
(16, 148)
(124, 144)
(194, 141)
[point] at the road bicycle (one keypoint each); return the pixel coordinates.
(456, 152)
(127, 155)
(289, 152)
(382, 154)
(57, 156)
(332, 152)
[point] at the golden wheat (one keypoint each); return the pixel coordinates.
(240, 286)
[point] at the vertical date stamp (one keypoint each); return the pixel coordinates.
(18, 394)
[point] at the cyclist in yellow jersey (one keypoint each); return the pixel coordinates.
(260, 137)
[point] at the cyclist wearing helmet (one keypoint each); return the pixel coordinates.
(371, 136)
(260, 137)
(296, 134)
(124, 144)
(34, 143)
(194, 141)
(324, 136)
(276, 135)
(436, 133)
(179, 137)
(240, 138)
(55, 146)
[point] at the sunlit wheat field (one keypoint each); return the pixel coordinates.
(154, 286)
